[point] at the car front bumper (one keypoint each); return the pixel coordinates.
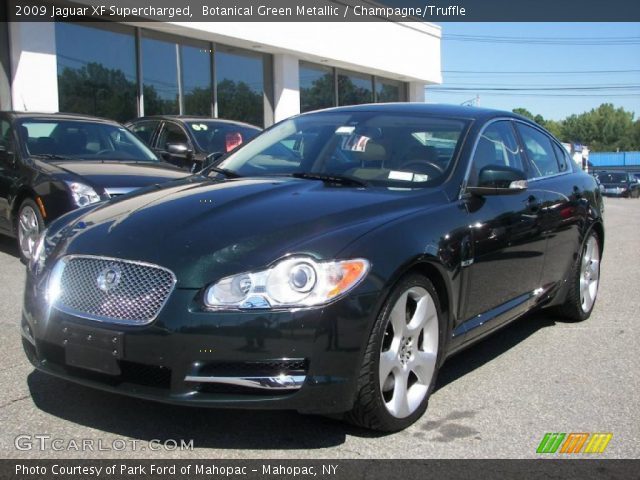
(306, 360)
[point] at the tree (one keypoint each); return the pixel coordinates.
(97, 90)
(605, 128)
(237, 101)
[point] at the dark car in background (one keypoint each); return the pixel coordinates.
(53, 163)
(619, 184)
(333, 279)
(188, 141)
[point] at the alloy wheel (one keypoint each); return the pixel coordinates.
(589, 274)
(28, 230)
(409, 351)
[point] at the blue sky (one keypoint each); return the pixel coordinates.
(474, 56)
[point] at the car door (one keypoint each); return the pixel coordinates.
(565, 200)
(9, 172)
(146, 130)
(173, 145)
(507, 245)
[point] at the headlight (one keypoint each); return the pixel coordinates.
(292, 282)
(82, 194)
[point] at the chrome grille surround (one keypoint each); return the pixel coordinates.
(136, 298)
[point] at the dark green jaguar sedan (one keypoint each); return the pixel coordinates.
(330, 265)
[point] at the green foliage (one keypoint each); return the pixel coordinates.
(97, 90)
(237, 101)
(603, 129)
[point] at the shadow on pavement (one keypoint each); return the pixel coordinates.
(240, 429)
(9, 246)
(493, 346)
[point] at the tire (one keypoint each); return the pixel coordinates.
(585, 280)
(405, 348)
(29, 224)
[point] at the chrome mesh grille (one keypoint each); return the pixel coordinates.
(136, 297)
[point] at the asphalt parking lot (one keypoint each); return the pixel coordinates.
(496, 399)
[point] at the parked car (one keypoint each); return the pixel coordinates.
(53, 163)
(619, 184)
(187, 141)
(335, 280)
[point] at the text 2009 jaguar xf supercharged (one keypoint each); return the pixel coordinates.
(335, 277)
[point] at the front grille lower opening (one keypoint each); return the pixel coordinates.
(264, 368)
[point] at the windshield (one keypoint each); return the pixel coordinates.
(376, 148)
(214, 137)
(82, 140)
(612, 177)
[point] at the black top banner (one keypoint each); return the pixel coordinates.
(326, 10)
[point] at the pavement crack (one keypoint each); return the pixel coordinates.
(15, 400)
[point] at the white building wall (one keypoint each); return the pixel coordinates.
(403, 51)
(33, 66)
(286, 85)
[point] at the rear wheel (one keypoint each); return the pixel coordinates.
(585, 281)
(29, 225)
(401, 359)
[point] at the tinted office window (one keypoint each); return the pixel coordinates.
(92, 78)
(354, 89)
(159, 77)
(389, 90)
(317, 89)
(196, 80)
(240, 86)
(540, 152)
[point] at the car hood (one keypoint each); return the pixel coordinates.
(205, 229)
(114, 174)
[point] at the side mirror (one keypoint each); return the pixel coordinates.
(178, 148)
(499, 180)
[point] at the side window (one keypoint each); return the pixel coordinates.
(539, 148)
(145, 130)
(563, 157)
(171, 133)
(497, 146)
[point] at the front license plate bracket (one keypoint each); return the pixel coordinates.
(92, 348)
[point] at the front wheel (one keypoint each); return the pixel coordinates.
(401, 360)
(585, 278)
(29, 225)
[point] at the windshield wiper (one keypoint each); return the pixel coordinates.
(222, 171)
(49, 156)
(330, 178)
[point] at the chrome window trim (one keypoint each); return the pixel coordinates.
(465, 181)
(58, 270)
(535, 179)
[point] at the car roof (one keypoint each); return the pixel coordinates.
(58, 116)
(456, 111)
(193, 118)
